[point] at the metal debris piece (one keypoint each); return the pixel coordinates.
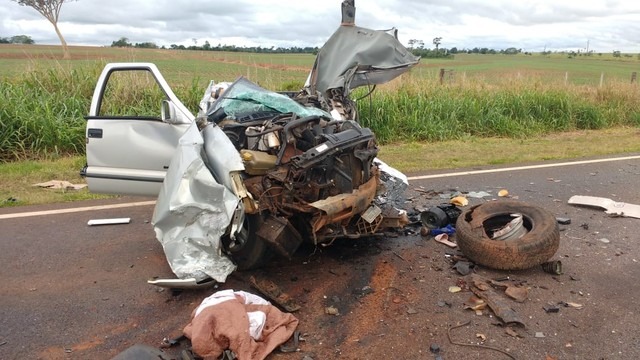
(190, 283)
(114, 221)
(514, 229)
(611, 207)
(499, 307)
(573, 305)
(478, 194)
(511, 332)
(475, 303)
(553, 267)
(550, 308)
(269, 289)
(517, 293)
(464, 267)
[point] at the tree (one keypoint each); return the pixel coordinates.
(122, 42)
(50, 9)
(437, 41)
(22, 39)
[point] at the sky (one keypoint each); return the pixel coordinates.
(560, 25)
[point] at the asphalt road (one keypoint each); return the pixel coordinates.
(71, 291)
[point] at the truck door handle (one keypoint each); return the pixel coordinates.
(94, 133)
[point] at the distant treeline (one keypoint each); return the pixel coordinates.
(124, 42)
(17, 39)
(419, 51)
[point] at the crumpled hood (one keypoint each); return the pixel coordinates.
(355, 56)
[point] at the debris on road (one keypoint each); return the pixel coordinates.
(440, 216)
(553, 267)
(190, 283)
(611, 207)
(478, 194)
(330, 310)
(551, 308)
(238, 321)
(563, 220)
(499, 307)
(114, 221)
(141, 351)
(459, 201)
(517, 293)
(572, 305)
(464, 267)
(476, 304)
(473, 345)
(503, 193)
(449, 229)
(275, 294)
(444, 239)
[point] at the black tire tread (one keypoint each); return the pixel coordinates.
(534, 248)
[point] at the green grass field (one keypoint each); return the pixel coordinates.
(181, 66)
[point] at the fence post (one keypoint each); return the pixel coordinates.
(633, 77)
(441, 76)
(566, 77)
(601, 78)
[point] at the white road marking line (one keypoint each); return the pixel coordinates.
(488, 171)
(423, 177)
(73, 210)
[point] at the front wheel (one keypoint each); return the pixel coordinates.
(249, 251)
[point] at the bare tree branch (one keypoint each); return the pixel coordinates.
(50, 9)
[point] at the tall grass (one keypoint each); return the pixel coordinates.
(419, 109)
(41, 111)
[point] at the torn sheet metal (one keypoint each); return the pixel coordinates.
(611, 207)
(192, 214)
(395, 184)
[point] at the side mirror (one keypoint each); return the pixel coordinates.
(168, 112)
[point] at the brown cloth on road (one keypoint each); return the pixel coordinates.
(226, 326)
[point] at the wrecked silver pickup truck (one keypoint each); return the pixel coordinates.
(255, 172)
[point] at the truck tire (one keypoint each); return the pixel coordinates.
(539, 244)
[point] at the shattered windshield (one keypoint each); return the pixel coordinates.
(244, 97)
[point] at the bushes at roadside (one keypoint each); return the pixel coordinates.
(41, 112)
(422, 110)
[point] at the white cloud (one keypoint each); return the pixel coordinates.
(607, 24)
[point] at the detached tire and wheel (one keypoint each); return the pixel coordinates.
(475, 226)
